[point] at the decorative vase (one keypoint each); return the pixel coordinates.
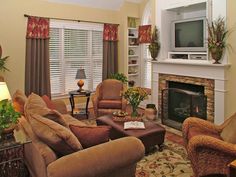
(150, 111)
(216, 54)
(154, 49)
(131, 83)
(134, 113)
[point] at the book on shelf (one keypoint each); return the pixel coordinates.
(134, 125)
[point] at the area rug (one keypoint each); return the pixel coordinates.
(172, 161)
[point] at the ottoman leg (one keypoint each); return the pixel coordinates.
(161, 146)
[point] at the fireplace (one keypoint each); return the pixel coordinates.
(180, 101)
(212, 77)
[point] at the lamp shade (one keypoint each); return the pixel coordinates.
(4, 92)
(80, 74)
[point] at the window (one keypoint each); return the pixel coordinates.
(146, 70)
(72, 46)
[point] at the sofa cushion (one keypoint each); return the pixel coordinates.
(111, 89)
(228, 133)
(19, 99)
(59, 138)
(45, 151)
(91, 136)
(73, 121)
(48, 102)
(198, 131)
(36, 105)
(110, 104)
(57, 117)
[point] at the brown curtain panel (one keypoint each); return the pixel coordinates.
(110, 58)
(110, 50)
(37, 67)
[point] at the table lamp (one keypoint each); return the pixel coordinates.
(80, 75)
(4, 92)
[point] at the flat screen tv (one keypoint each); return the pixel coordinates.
(189, 35)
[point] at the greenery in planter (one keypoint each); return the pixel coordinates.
(3, 61)
(217, 35)
(155, 45)
(119, 76)
(8, 115)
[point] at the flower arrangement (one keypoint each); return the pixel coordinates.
(217, 34)
(154, 46)
(135, 95)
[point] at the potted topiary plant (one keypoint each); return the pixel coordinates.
(2, 64)
(154, 46)
(119, 76)
(217, 34)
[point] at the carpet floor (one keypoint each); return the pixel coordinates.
(172, 161)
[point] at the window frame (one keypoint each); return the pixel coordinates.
(90, 27)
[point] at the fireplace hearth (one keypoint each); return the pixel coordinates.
(180, 101)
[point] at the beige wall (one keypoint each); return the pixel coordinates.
(231, 86)
(13, 29)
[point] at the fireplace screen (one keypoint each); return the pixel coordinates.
(178, 104)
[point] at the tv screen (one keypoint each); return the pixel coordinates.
(189, 35)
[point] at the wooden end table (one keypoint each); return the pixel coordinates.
(12, 157)
(75, 93)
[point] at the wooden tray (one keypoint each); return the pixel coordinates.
(126, 119)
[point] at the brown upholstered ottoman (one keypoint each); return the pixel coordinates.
(152, 135)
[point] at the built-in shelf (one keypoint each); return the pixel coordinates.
(133, 56)
(133, 65)
(135, 74)
(133, 49)
(133, 46)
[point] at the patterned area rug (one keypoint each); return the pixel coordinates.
(170, 162)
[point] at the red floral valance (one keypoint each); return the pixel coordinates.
(110, 32)
(144, 34)
(37, 28)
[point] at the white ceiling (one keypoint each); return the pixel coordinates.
(103, 4)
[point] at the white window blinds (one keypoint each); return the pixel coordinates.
(73, 46)
(147, 69)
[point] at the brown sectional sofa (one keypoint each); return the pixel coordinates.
(116, 158)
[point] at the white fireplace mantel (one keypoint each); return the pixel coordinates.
(200, 69)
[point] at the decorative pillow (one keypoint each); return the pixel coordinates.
(36, 105)
(228, 134)
(47, 153)
(59, 138)
(91, 136)
(19, 99)
(48, 102)
(57, 117)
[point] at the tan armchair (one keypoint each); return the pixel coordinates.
(108, 98)
(207, 151)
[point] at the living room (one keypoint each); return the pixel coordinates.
(14, 16)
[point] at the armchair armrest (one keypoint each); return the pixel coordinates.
(60, 106)
(212, 143)
(102, 158)
(210, 155)
(124, 104)
(196, 122)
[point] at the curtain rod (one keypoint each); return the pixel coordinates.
(25, 15)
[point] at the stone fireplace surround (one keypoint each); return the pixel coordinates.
(208, 85)
(213, 77)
